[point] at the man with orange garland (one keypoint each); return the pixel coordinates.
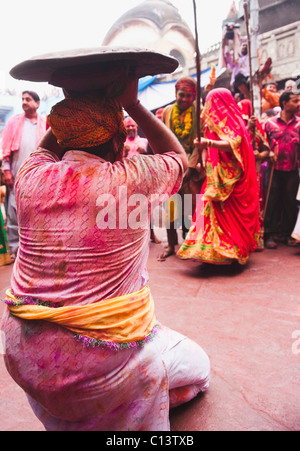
(180, 118)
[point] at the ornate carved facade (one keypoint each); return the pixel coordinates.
(283, 46)
(279, 37)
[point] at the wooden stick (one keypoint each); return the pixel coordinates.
(270, 180)
(249, 53)
(198, 66)
(269, 190)
(250, 67)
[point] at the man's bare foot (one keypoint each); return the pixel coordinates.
(167, 253)
(154, 238)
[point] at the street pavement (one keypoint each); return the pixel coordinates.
(247, 319)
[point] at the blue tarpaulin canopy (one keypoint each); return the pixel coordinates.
(155, 94)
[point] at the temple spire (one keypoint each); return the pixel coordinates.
(233, 12)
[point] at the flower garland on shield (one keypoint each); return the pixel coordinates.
(178, 125)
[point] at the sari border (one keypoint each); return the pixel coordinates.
(114, 346)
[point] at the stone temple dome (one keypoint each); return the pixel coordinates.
(156, 25)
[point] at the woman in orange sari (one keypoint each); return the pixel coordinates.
(225, 226)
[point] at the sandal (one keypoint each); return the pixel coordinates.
(270, 244)
(291, 242)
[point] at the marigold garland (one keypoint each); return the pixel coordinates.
(188, 121)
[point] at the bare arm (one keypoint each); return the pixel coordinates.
(49, 142)
(220, 145)
(205, 143)
(160, 138)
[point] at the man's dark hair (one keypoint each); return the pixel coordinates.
(33, 94)
(285, 97)
(239, 80)
(270, 113)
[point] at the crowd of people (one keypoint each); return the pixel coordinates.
(274, 143)
(81, 289)
(276, 158)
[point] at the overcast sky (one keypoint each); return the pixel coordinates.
(34, 27)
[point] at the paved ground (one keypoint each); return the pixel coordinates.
(247, 321)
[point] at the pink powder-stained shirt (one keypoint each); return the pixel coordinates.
(284, 139)
(65, 254)
(12, 133)
(240, 67)
(136, 146)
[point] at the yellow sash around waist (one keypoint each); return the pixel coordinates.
(123, 319)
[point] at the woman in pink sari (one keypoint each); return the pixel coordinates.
(225, 226)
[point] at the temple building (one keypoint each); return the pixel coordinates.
(157, 25)
(154, 24)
